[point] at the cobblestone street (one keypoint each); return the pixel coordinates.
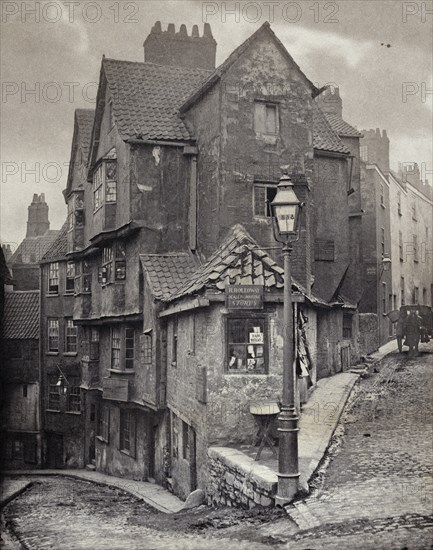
(373, 491)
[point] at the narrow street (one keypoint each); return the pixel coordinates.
(373, 491)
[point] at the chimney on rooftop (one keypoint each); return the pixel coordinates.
(330, 101)
(179, 49)
(376, 147)
(37, 223)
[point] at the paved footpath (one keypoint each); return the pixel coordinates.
(377, 491)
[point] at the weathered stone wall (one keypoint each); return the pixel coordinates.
(368, 335)
(237, 480)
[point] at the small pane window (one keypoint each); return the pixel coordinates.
(147, 348)
(94, 344)
(347, 325)
(115, 348)
(129, 348)
(53, 278)
(70, 336)
(74, 395)
(70, 277)
(97, 187)
(104, 422)
(53, 335)
(54, 389)
(127, 432)
(246, 345)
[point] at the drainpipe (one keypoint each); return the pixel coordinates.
(41, 432)
(192, 214)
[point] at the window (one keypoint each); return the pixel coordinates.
(185, 440)
(265, 118)
(424, 296)
(246, 345)
(382, 241)
(414, 211)
(70, 277)
(105, 182)
(363, 152)
(399, 204)
(71, 216)
(70, 336)
(87, 277)
(53, 278)
(53, 335)
(74, 395)
(324, 250)
(400, 245)
(402, 298)
(98, 187)
(94, 344)
(115, 348)
(129, 348)
(14, 448)
(147, 348)
(113, 255)
(347, 325)
(382, 197)
(127, 432)
(104, 423)
(25, 390)
(263, 196)
(54, 389)
(383, 298)
(174, 341)
(415, 248)
(416, 295)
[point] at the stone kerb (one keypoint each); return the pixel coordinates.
(237, 480)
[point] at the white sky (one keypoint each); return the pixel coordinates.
(59, 56)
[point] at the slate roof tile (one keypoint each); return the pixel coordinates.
(21, 315)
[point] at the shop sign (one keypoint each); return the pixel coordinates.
(244, 297)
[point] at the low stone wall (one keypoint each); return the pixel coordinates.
(237, 480)
(368, 333)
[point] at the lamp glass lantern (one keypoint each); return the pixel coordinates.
(386, 262)
(285, 211)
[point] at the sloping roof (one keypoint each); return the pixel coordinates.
(166, 273)
(341, 127)
(147, 97)
(59, 247)
(32, 249)
(238, 261)
(85, 119)
(235, 55)
(324, 137)
(5, 275)
(21, 315)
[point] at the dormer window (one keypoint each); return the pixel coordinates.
(105, 182)
(265, 118)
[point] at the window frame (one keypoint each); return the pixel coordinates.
(73, 397)
(347, 331)
(53, 275)
(127, 432)
(246, 317)
(119, 360)
(53, 389)
(71, 335)
(261, 121)
(258, 186)
(56, 326)
(103, 427)
(70, 277)
(104, 186)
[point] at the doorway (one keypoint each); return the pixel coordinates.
(54, 450)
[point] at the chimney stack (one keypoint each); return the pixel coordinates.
(330, 101)
(37, 223)
(376, 148)
(179, 49)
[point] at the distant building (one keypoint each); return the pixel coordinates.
(24, 262)
(20, 385)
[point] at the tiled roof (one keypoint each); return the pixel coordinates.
(85, 119)
(341, 127)
(59, 247)
(32, 249)
(166, 273)
(147, 97)
(21, 315)
(324, 137)
(238, 261)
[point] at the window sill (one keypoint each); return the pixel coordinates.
(246, 373)
(52, 295)
(101, 439)
(70, 353)
(120, 371)
(52, 411)
(52, 353)
(87, 293)
(127, 453)
(71, 293)
(74, 413)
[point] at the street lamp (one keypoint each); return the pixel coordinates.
(285, 217)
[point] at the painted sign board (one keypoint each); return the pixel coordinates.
(244, 297)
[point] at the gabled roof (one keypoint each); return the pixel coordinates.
(341, 127)
(147, 97)
(83, 125)
(59, 247)
(324, 137)
(166, 273)
(32, 249)
(21, 315)
(235, 55)
(238, 261)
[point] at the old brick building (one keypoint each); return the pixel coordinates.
(178, 155)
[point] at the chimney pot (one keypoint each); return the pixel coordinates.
(157, 27)
(171, 29)
(207, 31)
(195, 33)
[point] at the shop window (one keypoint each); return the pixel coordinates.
(103, 430)
(70, 336)
(53, 278)
(94, 344)
(53, 335)
(324, 250)
(185, 440)
(127, 432)
(263, 196)
(347, 325)
(246, 345)
(54, 390)
(74, 395)
(265, 118)
(70, 277)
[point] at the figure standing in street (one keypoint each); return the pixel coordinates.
(400, 331)
(412, 330)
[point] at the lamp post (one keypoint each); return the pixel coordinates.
(285, 216)
(385, 266)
